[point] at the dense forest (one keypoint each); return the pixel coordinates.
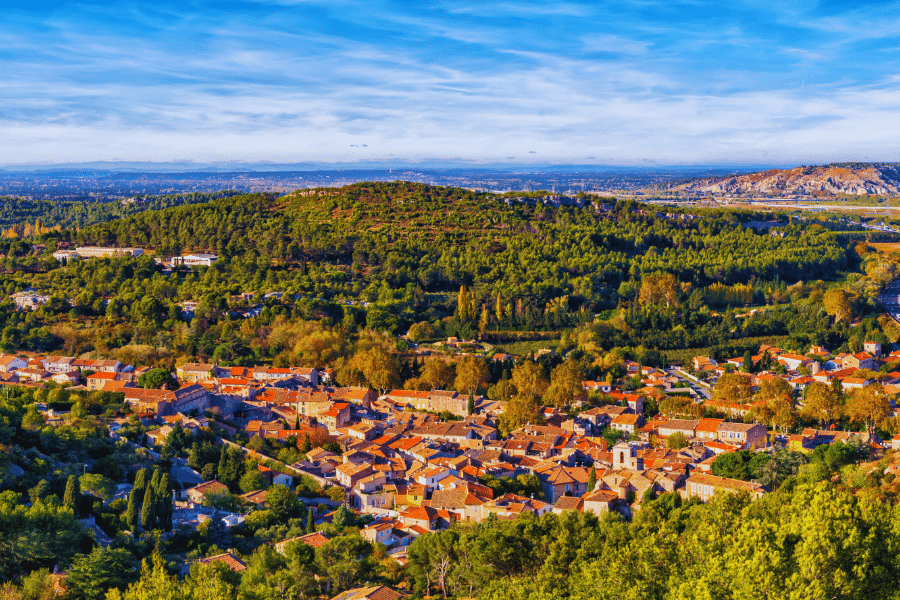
(393, 257)
(19, 215)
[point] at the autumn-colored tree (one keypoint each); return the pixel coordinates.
(503, 390)
(437, 374)
(680, 407)
(733, 390)
(822, 403)
(868, 405)
(529, 381)
(463, 310)
(839, 304)
(566, 384)
(660, 288)
(774, 404)
(498, 308)
(471, 373)
(373, 366)
(677, 441)
(522, 409)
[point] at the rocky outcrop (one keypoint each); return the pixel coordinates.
(829, 180)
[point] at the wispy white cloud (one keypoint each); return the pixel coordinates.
(446, 82)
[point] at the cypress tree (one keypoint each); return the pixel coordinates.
(223, 464)
(307, 444)
(471, 403)
(310, 524)
(163, 498)
(592, 479)
(132, 513)
(72, 497)
(154, 481)
(148, 511)
(140, 484)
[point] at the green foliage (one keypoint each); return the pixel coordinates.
(734, 465)
(527, 485)
(252, 481)
(94, 574)
(158, 379)
(72, 497)
(132, 512)
(35, 536)
(97, 485)
(283, 502)
(804, 541)
(677, 441)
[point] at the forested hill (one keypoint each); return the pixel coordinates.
(441, 238)
(24, 215)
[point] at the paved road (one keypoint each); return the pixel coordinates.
(700, 388)
(890, 299)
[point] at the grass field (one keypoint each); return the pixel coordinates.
(523, 348)
(753, 343)
(886, 248)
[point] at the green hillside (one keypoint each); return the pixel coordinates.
(389, 255)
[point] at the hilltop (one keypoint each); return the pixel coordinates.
(819, 181)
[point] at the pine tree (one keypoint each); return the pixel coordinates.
(148, 511)
(72, 497)
(132, 513)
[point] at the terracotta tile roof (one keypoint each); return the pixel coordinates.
(626, 420)
(209, 487)
(315, 539)
(228, 559)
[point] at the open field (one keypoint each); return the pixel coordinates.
(885, 247)
(685, 355)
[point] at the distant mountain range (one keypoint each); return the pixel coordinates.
(879, 179)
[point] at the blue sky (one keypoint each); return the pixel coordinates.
(516, 81)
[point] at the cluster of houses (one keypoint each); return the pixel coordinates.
(849, 370)
(416, 472)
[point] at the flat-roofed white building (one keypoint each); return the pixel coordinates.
(196, 260)
(98, 251)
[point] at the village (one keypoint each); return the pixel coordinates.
(392, 459)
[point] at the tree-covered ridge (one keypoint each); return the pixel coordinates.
(74, 214)
(440, 238)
